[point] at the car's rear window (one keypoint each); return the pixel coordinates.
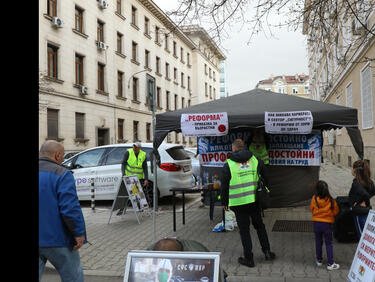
(178, 153)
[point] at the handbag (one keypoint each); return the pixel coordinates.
(262, 195)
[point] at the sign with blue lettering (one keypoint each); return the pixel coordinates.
(283, 149)
(295, 149)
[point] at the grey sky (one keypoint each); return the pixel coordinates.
(265, 55)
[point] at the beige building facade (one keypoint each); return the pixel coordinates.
(296, 85)
(93, 61)
(343, 73)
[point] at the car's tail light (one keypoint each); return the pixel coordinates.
(170, 167)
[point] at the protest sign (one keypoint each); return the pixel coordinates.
(283, 149)
(135, 192)
(295, 149)
(206, 124)
(363, 265)
(296, 122)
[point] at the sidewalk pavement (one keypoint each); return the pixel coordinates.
(295, 251)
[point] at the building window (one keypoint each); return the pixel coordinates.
(167, 100)
(52, 61)
(135, 131)
(118, 6)
(175, 74)
(182, 79)
(147, 59)
(135, 89)
(80, 125)
(166, 37)
(188, 82)
(147, 26)
(79, 70)
(120, 129)
(119, 42)
(100, 31)
(134, 51)
(349, 102)
(134, 16)
(157, 64)
(167, 70)
(205, 89)
(210, 92)
(157, 29)
(100, 77)
(79, 20)
(120, 89)
(175, 101)
(188, 58)
(205, 69)
(158, 97)
(52, 8)
(174, 48)
(366, 94)
(148, 131)
(52, 124)
(182, 54)
(182, 102)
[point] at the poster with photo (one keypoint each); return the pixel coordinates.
(135, 192)
(171, 270)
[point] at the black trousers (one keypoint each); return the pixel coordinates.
(243, 214)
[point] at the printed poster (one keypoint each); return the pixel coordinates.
(283, 149)
(135, 192)
(295, 122)
(363, 265)
(207, 124)
(295, 149)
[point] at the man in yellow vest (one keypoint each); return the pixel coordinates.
(135, 163)
(258, 146)
(238, 186)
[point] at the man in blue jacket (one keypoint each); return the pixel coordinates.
(62, 228)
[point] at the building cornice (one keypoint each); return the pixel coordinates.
(168, 23)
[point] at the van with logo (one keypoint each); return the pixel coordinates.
(102, 167)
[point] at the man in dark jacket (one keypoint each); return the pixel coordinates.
(62, 228)
(238, 185)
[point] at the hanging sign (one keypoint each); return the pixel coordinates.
(363, 265)
(297, 122)
(206, 124)
(295, 149)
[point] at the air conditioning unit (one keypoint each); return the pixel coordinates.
(101, 45)
(57, 22)
(103, 4)
(83, 89)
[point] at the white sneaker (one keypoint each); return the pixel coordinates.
(333, 266)
(319, 263)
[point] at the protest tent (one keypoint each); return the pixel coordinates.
(290, 186)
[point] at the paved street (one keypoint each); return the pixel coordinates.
(295, 251)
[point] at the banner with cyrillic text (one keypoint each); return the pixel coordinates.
(206, 124)
(283, 149)
(363, 265)
(295, 149)
(295, 122)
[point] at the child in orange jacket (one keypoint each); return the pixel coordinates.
(324, 208)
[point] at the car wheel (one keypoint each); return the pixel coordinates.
(149, 193)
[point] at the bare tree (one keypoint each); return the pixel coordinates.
(318, 18)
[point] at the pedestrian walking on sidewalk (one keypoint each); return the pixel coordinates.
(238, 187)
(362, 190)
(324, 209)
(62, 228)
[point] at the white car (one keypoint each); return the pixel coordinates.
(102, 166)
(192, 152)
